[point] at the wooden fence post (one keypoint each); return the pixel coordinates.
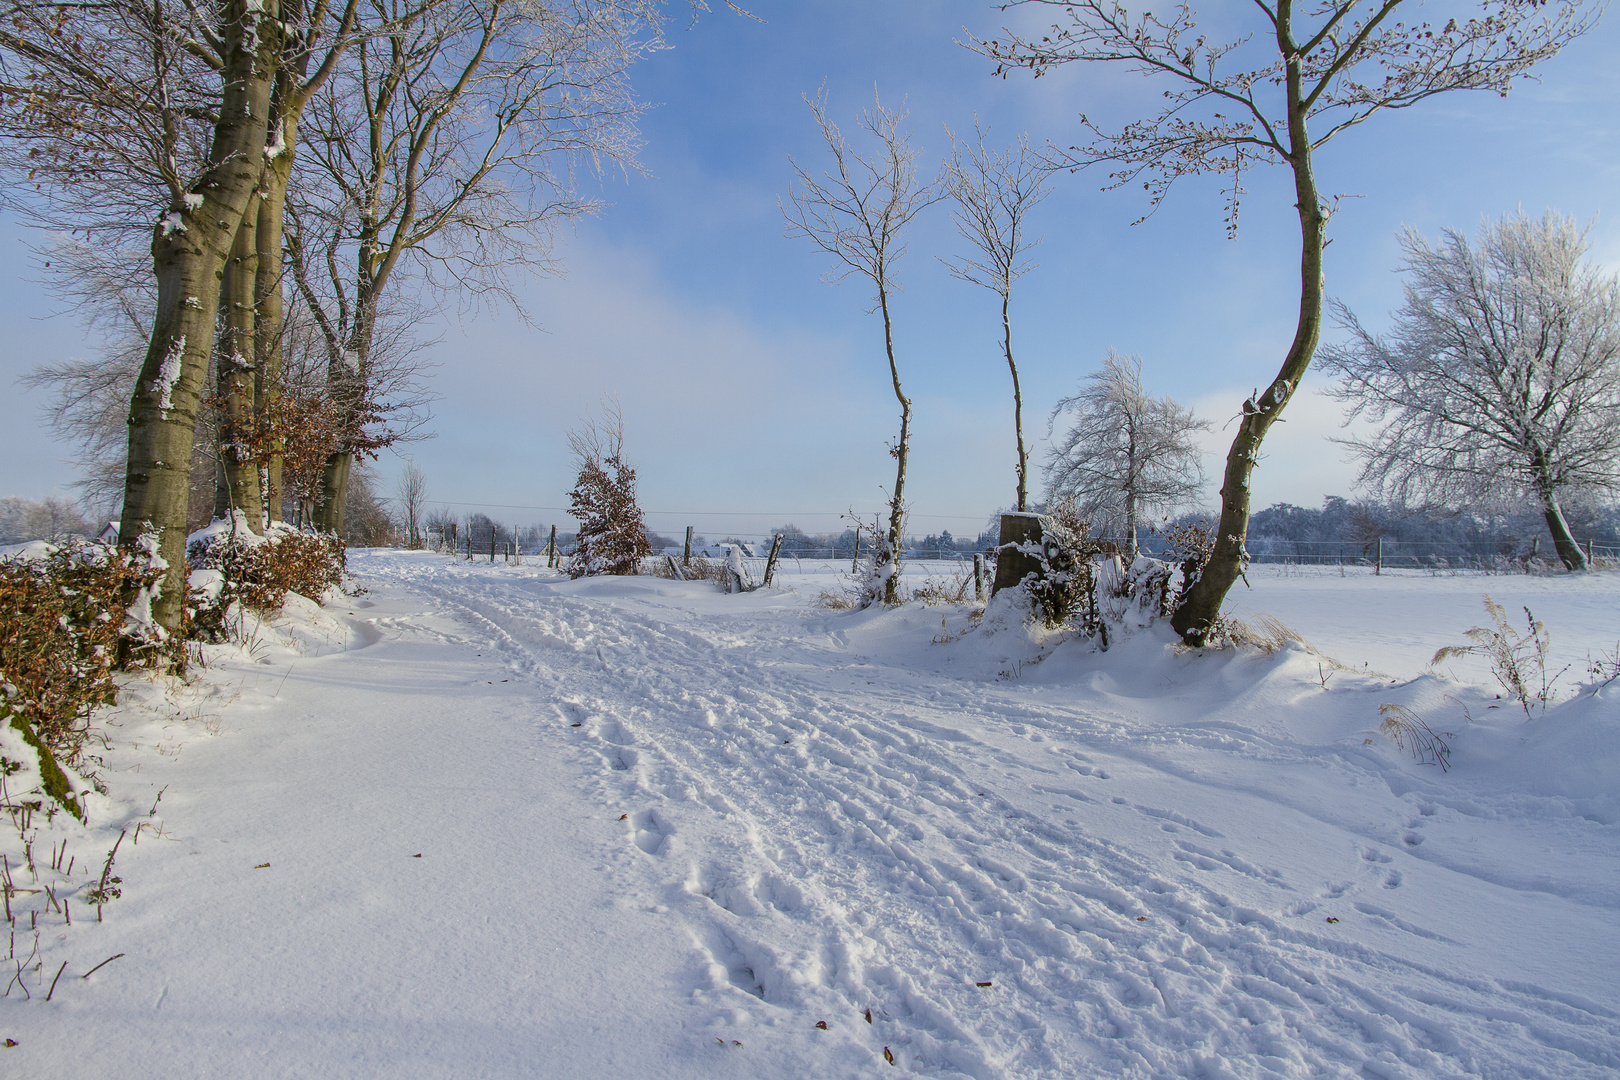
(770, 563)
(686, 559)
(855, 563)
(551, 550)
(492, 543)
(978, 575)
(1378, 567)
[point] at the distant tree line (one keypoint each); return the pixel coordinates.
(1425, 536)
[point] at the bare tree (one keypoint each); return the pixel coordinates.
(994, 194)
(857, 212)
(447, 147)
(1500, 378)
(1276, 94)
(1126, 454)
(411, 495)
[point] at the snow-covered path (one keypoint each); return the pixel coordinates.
(666, 831)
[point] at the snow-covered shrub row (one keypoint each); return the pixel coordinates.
(232, 565)
(73, 614)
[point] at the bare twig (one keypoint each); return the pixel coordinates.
(101, 965)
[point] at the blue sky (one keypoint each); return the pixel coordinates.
(755, 394)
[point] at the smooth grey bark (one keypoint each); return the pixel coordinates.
(190, 247)
(235, 381)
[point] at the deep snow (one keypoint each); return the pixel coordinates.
(665, 831)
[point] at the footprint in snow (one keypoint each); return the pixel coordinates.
(648, 832)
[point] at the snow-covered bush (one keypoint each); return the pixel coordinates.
(1084, 584)
(612, 536)
(232, 565)
(71, 616)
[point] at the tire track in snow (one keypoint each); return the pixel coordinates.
(832, 851)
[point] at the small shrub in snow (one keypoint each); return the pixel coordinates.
(937, 591)
(1518, 659)
(1407, 730)
(885, 567)
(612, 534)
(232, 565)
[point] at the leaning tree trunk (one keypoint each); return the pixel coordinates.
(1569, 552)
(235, 384)
(897, 504)
(1199, 611)
(190, 247)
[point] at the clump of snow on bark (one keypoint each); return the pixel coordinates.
(169, 374)
(278, 142)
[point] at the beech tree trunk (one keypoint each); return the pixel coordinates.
(1198, 614)
(269, 314)
(190, 246)
(236, 383)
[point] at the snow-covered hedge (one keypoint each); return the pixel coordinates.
(231, 565)
(72, 615)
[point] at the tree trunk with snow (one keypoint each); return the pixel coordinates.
(190, 247)
(236, 380)
(901, 450)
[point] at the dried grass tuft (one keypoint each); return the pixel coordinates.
(1518, 659)
(1407, 730)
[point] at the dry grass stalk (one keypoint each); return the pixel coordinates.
(1518, 659)
(1407, 730)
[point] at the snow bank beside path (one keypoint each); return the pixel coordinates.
(667, 832)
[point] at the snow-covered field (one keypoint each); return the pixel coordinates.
(487, 822)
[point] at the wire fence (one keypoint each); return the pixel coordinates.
(1488, 554)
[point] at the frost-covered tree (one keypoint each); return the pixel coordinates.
(1125, 454)
(994, 192)
(857, 212)
(1276, 88)
(1499, 380)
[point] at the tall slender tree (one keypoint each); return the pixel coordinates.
(994, 193)
(857, 212)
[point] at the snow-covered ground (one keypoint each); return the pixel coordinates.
(487, 822)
